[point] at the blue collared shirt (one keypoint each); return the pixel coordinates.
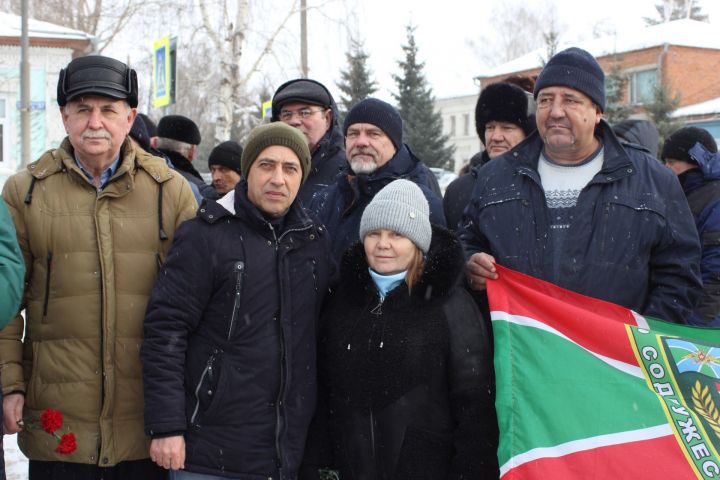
(385, 283)
(106, 174)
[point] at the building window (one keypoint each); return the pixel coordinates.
(642, 86)
(452, 126)
(466, 124)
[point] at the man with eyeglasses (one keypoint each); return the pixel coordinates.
(308, 106)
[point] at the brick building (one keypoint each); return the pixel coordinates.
(683, 55)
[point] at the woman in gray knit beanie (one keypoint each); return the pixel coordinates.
(404, 358)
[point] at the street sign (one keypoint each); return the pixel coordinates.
(162, 73)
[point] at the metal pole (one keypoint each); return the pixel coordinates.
(25, 87)
(303, 38)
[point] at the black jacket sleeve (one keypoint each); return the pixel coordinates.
(175, 308)
(472, 391)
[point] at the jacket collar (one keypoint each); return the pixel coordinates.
(236, 204)
(61, 160)
(616, 161)
(399, 166)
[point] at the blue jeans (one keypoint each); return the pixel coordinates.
(183, 475)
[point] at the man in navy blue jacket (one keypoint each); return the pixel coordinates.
(377, 156)
(229, 350)
(572, 206)
(692, 154)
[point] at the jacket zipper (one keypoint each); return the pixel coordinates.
(48, 267)
(281, 388)
(281, 334)
(206, 371)
(239, 270)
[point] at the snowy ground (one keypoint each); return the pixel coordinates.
(15, 462)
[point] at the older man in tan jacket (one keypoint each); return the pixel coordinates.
(95, 219)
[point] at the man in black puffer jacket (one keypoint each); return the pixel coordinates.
(229, 351)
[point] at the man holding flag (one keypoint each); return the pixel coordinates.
(572, 206)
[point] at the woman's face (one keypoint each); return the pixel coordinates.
(388, 252)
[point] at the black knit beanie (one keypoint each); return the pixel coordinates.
(502, 102)
(276, 133)
(177, 127)
(574, 68)
(139, 133)
(227, 154)
(678, 144)
(149, 124)
(378, 113)
(301, 90)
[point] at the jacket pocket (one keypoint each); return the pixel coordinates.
(206, 388)
(239, 270)
(46, 299)
(630, 229)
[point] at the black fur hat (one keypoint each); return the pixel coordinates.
(678, 144)
(502, 102)
(177, 127)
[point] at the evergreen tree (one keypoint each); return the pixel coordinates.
(616, 109)
(660, 110)
(669, 10)
(356, 83)
(416, 104)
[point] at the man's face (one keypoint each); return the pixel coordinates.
(367, 148)
(312, 120)
(224, 179)
(679, 166)
(97, 126)
(274, 179)
(566, 120)
(501, 137)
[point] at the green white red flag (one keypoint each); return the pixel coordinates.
(590, 390)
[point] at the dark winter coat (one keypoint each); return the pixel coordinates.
(340, 206)
(408, 380)
(229, 350)
(641, 133)
(185, 168)
(702, 187)
(631, 242)
(458, 193)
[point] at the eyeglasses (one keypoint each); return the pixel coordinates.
(303, 113)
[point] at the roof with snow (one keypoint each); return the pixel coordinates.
(684, 32)
(10, 26)
(704, 108)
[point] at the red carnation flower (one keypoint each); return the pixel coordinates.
(51, 420)
(67, 444)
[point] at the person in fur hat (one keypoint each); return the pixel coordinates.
(503, 119)
(404, 359)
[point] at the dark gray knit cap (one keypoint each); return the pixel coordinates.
(276, 133)
(227, 154)
(574, 68)
(378, 113)
(402, 208)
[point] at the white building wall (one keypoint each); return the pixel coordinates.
(46, 123)
(458, 115)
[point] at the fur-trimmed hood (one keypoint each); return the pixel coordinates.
(444, 264)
